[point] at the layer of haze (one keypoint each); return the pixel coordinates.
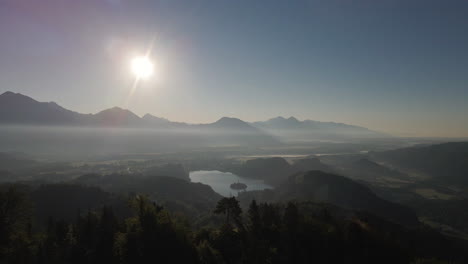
(394, 66)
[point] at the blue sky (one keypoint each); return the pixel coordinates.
(394, 66)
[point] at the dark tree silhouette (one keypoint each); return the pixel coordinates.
(229, 207)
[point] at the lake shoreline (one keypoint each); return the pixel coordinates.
(220, 182)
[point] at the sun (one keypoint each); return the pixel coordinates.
(142, 67)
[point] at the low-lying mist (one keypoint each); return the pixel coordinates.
(88, 141)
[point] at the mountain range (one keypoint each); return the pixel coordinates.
(293, 129)
(18, 109)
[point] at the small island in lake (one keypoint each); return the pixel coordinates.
(238, 186)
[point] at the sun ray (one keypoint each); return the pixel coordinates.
(146, 66)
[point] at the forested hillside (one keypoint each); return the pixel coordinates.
(296, 232)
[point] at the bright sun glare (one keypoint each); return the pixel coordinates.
(142, 67)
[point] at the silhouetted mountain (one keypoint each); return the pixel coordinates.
(232, 124)
(280, 123)
(159, 122)
(155, 120)
(22, 110)
(337, 190)
(16, 108)
(233, 131)
(116, 116)
(229, 121)
(447, 163)
(309, 130)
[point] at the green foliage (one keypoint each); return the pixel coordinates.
(229, 207)
(266, 233)
(15, 225)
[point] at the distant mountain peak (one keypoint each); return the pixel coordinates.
(292, 129)
(116, 116)
(12, 94)
(117, 110)
(16, 96)
(281, 123)
(232, 123)
(229, 120)
(282, 119)
(279, 118)
(8, 93)
(16, 108)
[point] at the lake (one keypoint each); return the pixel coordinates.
(221, 181)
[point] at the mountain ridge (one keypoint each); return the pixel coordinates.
(19, 109)
(148, 115)
(295, 130)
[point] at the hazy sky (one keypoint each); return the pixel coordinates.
(394, 66)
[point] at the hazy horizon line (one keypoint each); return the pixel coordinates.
(402, 134)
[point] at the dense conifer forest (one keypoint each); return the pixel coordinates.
(293, 232)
